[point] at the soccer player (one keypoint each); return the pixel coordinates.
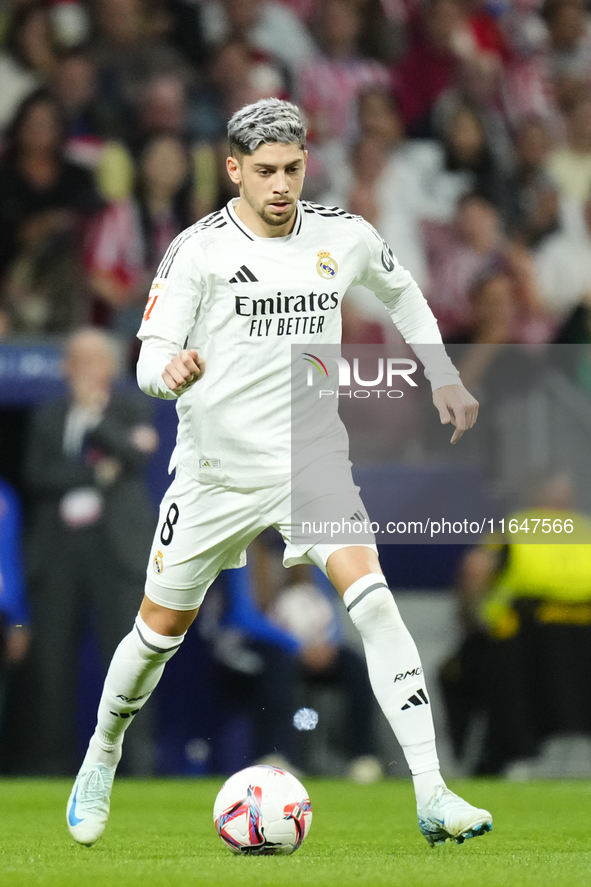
(233, 291)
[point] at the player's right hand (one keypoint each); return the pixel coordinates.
(184, 370)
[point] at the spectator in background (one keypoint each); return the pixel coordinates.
(271, 28)
(461, 253)
(526, 77)
(128, 240)
(477, 86)
(89, 118)
(563, 268)
(495, 308)
(14, 616)
(429, 65)
(94, 126)
(91, 527)
(525, 612)
(569, 29)
(162, 108)
(27, 59)
(570, 165)
(236, 74)
(458, 253)
(131, 47)
(330, 85)
(185, 29)
(43, 199)
(389, 189)
(470, 160)
(535, 193)
(392, 181)
(361, 180)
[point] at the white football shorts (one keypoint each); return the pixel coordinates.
(206, 528)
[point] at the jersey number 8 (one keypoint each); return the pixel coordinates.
(172, 517)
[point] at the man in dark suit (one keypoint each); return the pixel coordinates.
(91, 530)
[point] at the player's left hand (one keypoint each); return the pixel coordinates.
(456, 405)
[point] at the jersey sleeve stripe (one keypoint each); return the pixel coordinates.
(327, 212)
(214, 220)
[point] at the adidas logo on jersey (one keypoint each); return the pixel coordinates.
(420, 698)
(244, 275)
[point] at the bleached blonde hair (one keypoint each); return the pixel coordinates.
(266, 122)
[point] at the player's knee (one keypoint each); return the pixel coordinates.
(151, 645)
(165, 621)
(377, 610)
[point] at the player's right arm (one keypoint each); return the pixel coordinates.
(165, 367)
(164, 371)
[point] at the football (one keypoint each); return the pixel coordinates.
(262, 811)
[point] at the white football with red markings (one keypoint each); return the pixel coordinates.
(262, 811)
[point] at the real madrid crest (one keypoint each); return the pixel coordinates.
(158, 562)
(326, 265)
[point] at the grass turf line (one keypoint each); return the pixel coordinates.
(161, 834)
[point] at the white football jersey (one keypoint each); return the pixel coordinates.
(242, 301)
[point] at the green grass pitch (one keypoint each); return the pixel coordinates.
(161, 835)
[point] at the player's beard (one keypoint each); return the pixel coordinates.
(262, 211)
(277, 221)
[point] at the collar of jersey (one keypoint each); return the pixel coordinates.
(231, 213)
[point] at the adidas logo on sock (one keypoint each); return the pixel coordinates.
(357, 516)
(244, 275)
(418, 698)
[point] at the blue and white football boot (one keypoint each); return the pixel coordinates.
(447, 817)
(89, 803)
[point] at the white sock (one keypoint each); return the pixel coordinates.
(396, 676)
(425, 785)
(136, 668)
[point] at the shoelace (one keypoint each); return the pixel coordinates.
(93, 791)
(445, 798)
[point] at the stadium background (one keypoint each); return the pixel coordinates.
(461, 129)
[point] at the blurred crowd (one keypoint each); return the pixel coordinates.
(460, 128)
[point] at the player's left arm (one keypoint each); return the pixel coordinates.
(455, 404)
(411, 314)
